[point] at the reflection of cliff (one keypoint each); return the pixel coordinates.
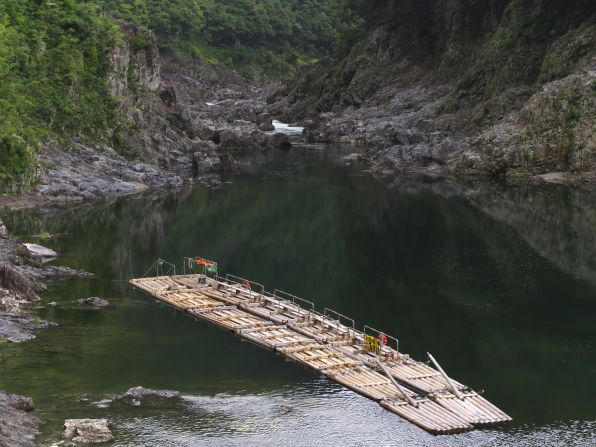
(558, 222)
(114, 240)
(434, 265)
(430, 263)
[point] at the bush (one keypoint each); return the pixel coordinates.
(573, 113)
(16, 157)
(264, 38)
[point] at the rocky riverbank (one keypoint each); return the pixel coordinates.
(23, 277)
(19, 425)
(177, 119)
(480, 96)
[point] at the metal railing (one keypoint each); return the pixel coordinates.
(389, 337)
(281, 295)
(277, 300)
(328, 317)
(160, 268)
(325, 320)
(339, 316)
(242, 281)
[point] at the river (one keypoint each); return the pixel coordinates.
(485, 278)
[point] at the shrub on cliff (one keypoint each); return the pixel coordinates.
(265, 38)
(53, 68)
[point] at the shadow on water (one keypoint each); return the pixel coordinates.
(498, 283)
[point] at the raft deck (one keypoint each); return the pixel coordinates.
(329, 344)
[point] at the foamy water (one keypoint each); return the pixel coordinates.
(286, 128)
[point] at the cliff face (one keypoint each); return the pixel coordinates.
(157, 98)
(432, 81)
(175, 117)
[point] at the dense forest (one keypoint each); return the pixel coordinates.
(54, 56)
(52, 70)
(258, 37)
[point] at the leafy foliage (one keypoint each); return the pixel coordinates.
(259, 37)
(52, 76)
(54, 57)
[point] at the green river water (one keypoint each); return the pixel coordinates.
(499, 284)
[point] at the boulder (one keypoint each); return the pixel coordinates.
(280, 141)
(87, 431)
(147, 397)
(266, 124)
(17, 328)
(203, 146)
(207, 158)
(94, 302)
(3, 230)
(41, 251)
(230, 141)
(25, 287)
(18, 423)
(180, 162)
(17, 402)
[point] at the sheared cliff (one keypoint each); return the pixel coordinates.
(175, 118)
(459, 87)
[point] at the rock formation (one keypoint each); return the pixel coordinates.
(499, 88)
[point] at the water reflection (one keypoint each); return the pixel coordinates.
(496, 282)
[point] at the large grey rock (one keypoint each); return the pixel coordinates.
(25, 286)
(3, 231)
(94, 302)
(18, 424)
(84, 173)
(280, 141)
(147, 397)
(19, 327)
(266, 123)
(52, 272)
(87, 431)
(207, 157)
(181, 162)
(41, 251)
(230, 141)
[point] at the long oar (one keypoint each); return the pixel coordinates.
(397, 385)
(447, 378)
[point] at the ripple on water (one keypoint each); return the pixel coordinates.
(485, 278)
(319, 413)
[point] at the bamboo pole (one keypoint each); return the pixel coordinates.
(397, 385)
(447, 378)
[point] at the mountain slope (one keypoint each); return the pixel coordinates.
(88, 73)
(264, 38)
(431, 82)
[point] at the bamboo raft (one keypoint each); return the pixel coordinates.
(327, 343)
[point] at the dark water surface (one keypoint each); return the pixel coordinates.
(499, 284)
